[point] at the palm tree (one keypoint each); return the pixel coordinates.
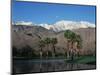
(53, 42)
(68, 35)
(79, 44)
(71, 39)
(41, 45)
(47, 42)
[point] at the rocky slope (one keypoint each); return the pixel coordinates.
(23, 35)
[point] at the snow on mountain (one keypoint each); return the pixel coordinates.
(60, 25)
(23, 23)
(64, 25)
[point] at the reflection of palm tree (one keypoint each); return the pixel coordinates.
(41, 45)
(53, 42)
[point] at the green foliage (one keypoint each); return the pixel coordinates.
(69, 35)
(79, 41)
(26, 51)
(75, 40)
(47, 40)
(34, 55)
(86, 59)
(54, 40)
(83, 60)
(59, 55)
(15, 51)
(41, 43)
(44, 54)
(49, 53)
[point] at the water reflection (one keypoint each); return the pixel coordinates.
(35, 66)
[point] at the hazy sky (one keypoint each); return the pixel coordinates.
(51, 13)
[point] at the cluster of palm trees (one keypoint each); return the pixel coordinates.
(74, 43)
(47, 45)
(46, 42)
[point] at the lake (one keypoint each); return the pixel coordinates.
(47, 65)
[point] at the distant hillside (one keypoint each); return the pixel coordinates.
(60, 25)
(23, 35)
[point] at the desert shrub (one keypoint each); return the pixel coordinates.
(49, 54)
(14, 51)
(44, 54)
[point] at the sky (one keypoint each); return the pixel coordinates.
(41, 13)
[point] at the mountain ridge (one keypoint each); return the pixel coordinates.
(31, 35)
(60, 25)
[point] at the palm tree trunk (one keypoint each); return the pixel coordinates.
(47, 53)
(72, 51)
(41, 60)
(53, 51)
(67, 52)
(47, 58)
(54, 55)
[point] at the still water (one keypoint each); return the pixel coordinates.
(51, 65)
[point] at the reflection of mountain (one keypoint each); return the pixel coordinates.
(23, 35)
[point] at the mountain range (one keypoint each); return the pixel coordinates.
(60, 25)
(30, 35)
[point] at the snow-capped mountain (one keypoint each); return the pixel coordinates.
(22, 23)
(61, 25)
(64, 25)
